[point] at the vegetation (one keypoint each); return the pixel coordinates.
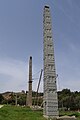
(70, 113)
(9, 112)
(10, 98)
(1, 98)
(69, 100)
(19, 113)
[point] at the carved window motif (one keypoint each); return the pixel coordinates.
(52, 79)
(48, 16)
(49, 37)
(51, 90)
(47, 10)
(48, 25)
(50, 47)
(50, 56)
(51, 67)
(48, 30)
(48, 22)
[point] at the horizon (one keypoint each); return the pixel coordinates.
(34, 91)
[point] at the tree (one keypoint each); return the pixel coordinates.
(1, 98)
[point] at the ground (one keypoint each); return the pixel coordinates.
(8, 112)
(20, 113)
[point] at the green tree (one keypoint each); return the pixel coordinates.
(1, 98)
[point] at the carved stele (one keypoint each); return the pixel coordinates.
(50, 101)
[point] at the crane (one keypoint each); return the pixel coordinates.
(36, 97)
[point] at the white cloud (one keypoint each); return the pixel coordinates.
(13, 75)
(68, 71)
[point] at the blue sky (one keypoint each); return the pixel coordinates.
(21, 35)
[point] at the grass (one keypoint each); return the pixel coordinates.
(70, 113)
(23, 113)
(19, 113)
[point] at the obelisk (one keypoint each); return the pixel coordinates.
(50, 101)
(30, 83)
